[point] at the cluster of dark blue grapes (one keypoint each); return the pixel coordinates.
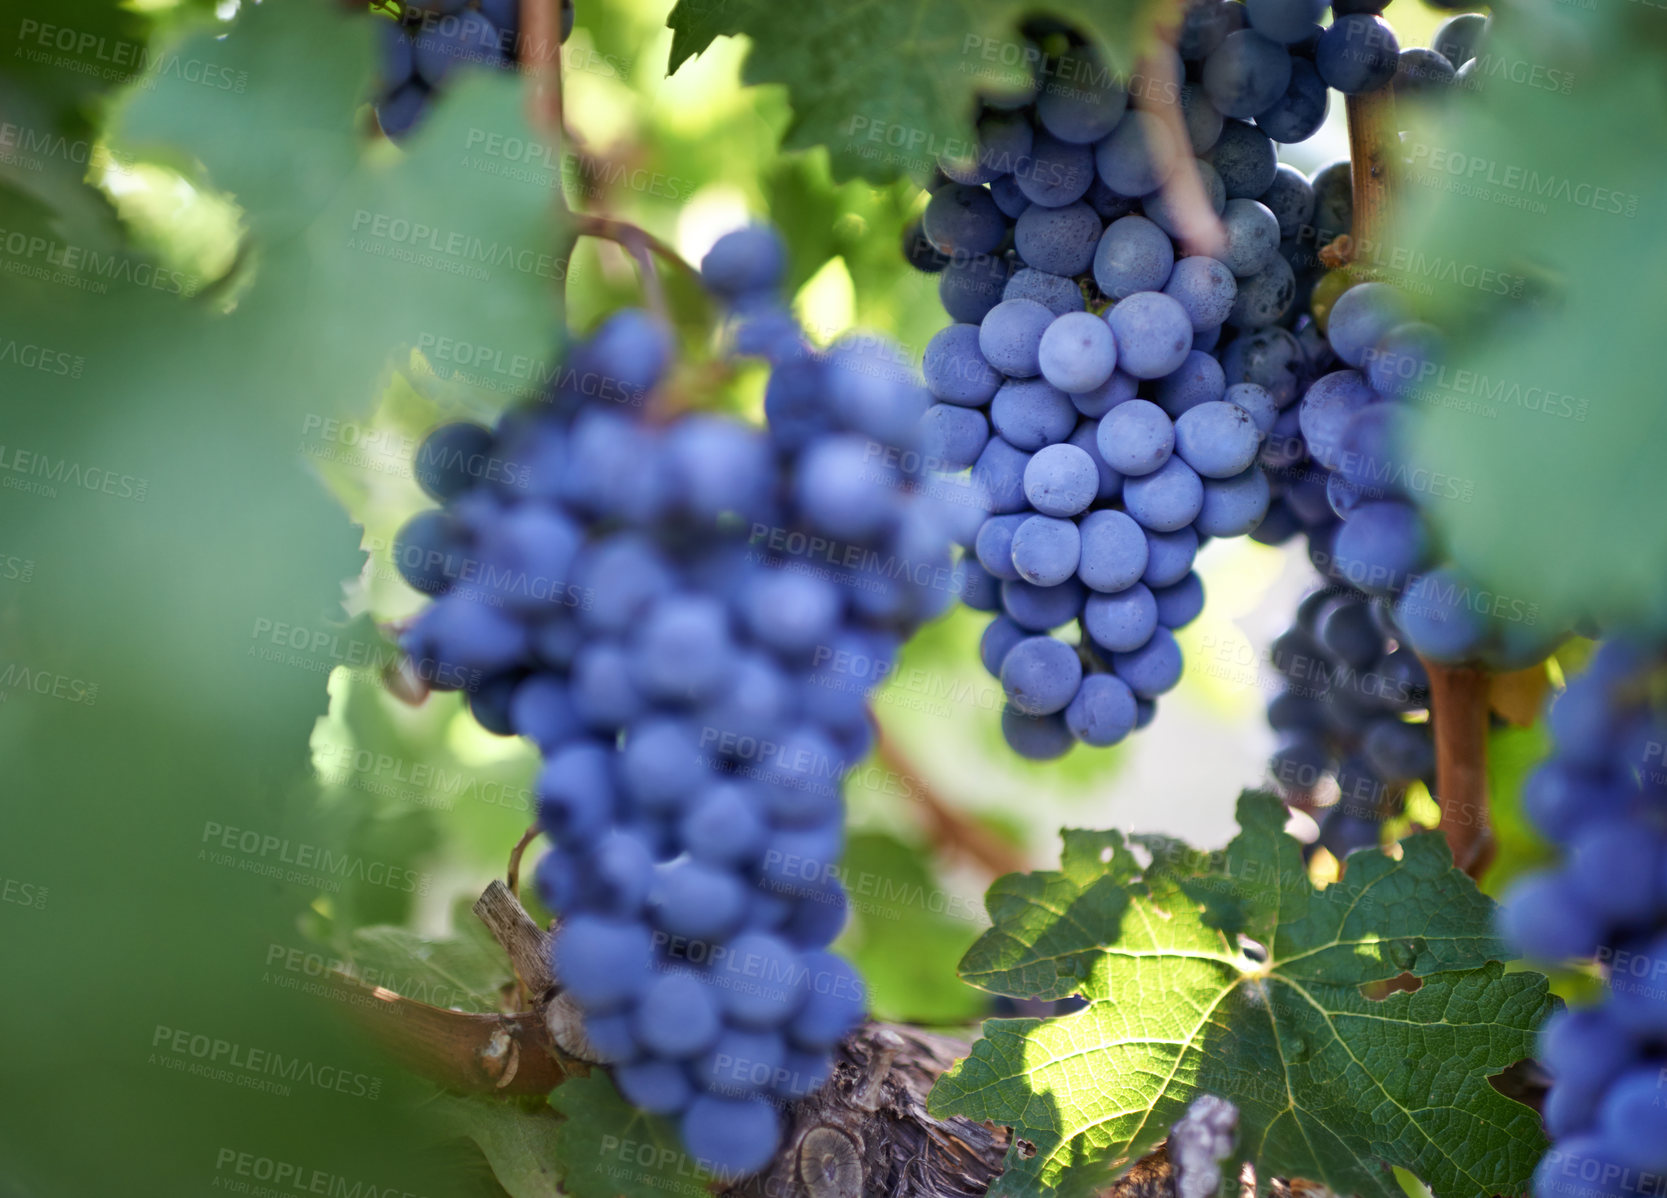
(1118, 399)
(1269, 41)
(1342, 478)
(1353, 422)
(1602, 796)
(686, 615)
(1354, 707)
(429, 39)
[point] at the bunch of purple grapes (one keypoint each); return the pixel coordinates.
(1117, 398)
(1602, 796)
(1354, 707)
(1354, 422)
(429, 40)
(1343, 478)
(686, 615)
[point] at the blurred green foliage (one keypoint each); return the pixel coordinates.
(1527, 229)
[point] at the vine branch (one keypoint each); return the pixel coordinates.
(541, 59)
(949, 829)
(512, 875)
(1459, 710)
(642, 245)
(1199, 228)
(1372, 144)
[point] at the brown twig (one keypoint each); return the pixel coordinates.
(641, 245)
(513, 875)
(1199, 227)
(1459, 712)
(541, 60)
(632, 237)
(949, 829)
(1372, 148)
(479, 1053)
(499, 908)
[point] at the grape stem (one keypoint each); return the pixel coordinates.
(1372, 143)
(541, 58)
(512, 876)
(950, 830)
(1459, 711)
(1196, 223)
(642, 245)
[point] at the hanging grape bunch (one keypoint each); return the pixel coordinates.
(635, 596)
(1119, 397)
(1347, 483)
(1376, 361)
(1354, 707)
(429, 40)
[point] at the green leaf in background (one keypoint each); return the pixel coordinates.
(433, 247)
(1545, 184)
(464, 972)
(887, 87)
(906, 933)
(609, 1149)
(1330, 1085)
(517, 1139)
(295, 73)
(184, 607)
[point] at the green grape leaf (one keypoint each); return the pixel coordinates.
(1520, 206)
(610, 1149)
(1331, 1085)
(517, 1140)
(888, 87)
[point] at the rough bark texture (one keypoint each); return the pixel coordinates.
(868, 1131)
